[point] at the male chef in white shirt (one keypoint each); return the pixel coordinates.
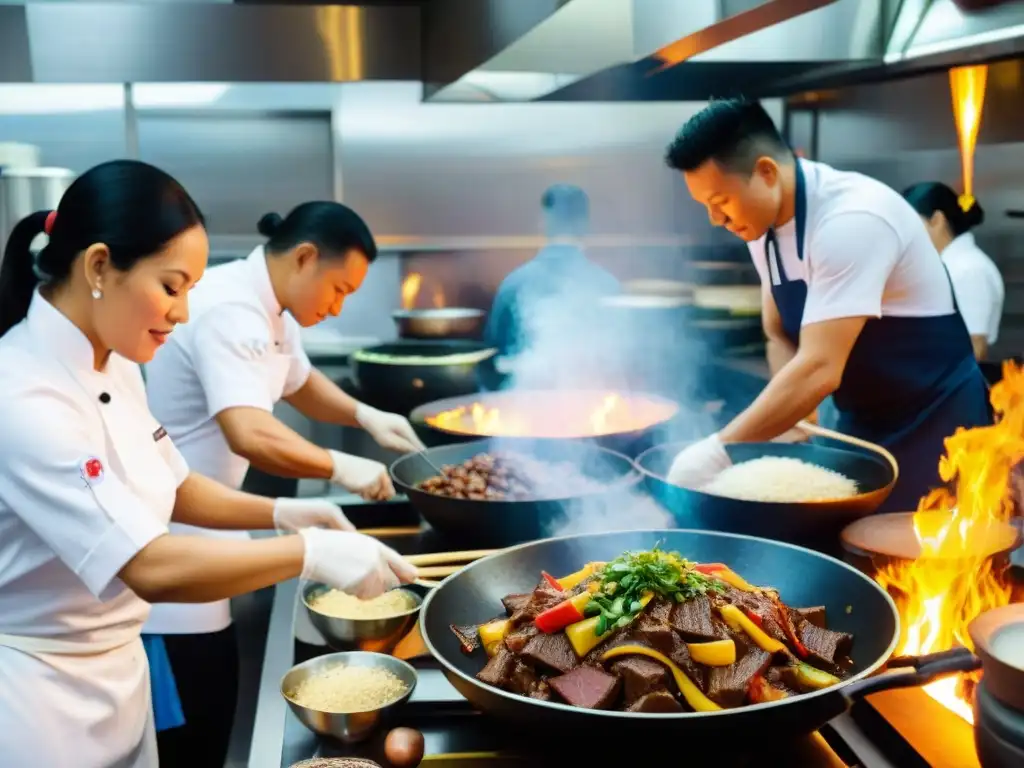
(214, 385)
(856, 302)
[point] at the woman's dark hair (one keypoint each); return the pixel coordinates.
(931, 196)
(333, 228)
(131, 207)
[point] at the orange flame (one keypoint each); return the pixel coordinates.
(967, 87)
(955, 578)
(554, 414)
(411, 290)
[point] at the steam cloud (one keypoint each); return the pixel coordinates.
(570, 341)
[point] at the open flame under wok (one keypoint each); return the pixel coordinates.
(554, 415)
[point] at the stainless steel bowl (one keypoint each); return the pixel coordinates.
(377, 635)
(349, 727)
(443, 323)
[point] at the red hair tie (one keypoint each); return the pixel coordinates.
(48, 226)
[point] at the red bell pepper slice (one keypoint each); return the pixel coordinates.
(560, 616)
(709, 568)
(754, 618)
(552, 581)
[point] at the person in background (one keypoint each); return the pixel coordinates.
(545, 306)
(855, 302)
(214, 386)
(976, 279)
(89, 479)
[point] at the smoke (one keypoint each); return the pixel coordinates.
(621, 511)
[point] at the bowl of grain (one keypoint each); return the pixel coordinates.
(349, 623)
(346, 695)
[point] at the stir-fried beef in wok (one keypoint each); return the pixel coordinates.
(509, 476)
(653, 632)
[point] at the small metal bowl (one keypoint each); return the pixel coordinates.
(348, 727)
(379, 635)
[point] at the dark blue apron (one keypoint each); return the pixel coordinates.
(908, 384)
(167, 712)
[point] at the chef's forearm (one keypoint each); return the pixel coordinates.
(320, 399)
(779, 353)
(272, 447)
(208, 504)
(794, 392)
(193, 569)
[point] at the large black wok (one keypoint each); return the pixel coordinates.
(497, 523)
(806, 523)
(854, 604)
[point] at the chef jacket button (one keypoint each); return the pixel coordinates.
(104, 398)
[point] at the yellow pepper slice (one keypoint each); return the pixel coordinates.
(812, 677)
(583, 635)
(717, 653)
(733, 579)
(693, 695)
(493, 633)
(570, 581)
(739, 622)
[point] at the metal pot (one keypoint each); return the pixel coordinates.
(445, 323)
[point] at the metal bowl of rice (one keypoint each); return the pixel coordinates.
(350, 624)
(345, 696)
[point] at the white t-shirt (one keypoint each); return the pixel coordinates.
(866, 252)
(87, 480)
(238, 349)
(978, 284)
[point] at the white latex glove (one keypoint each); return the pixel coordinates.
(367, 478)
(698, 464)
(356, 564)
(294, 514)
(390, 430)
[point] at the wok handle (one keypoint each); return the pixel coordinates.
(819, 431)
(915, 671)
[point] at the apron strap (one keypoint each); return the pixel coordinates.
(771, 242)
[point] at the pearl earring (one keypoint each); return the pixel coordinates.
(96, 294)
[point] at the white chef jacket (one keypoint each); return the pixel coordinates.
(978, 285)
(87, 479)
(866, 252)
(238, 349)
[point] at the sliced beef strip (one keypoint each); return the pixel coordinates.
(650, 631)
(498, 671)
(727, 686)
(815, 615)
(656, 701)
(660, 610)
(826, 647)
(552, 652)
(587, 687)
(541, 599)
(468, 635)
(680, 656)
(517, 639)
(640, 676)
(763, 607)
(515, 603)
(524, 679)
(695, 621)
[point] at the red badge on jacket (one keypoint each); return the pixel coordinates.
(92, 470)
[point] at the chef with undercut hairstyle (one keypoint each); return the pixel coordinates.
(856, 302)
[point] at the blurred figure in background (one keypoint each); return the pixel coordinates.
(976, 279)
(544, 310)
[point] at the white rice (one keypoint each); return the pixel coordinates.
(781, 479)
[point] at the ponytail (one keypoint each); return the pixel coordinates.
(18, 274)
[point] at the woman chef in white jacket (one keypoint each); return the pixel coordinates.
(976, 279)
(89, 480)
(214, 386)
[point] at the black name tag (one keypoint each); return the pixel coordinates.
(159, 435)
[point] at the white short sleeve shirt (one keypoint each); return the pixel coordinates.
(866, 252)
(979, 287)
(238, 349)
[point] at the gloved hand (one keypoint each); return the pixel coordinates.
(294, 514)
(390, 430)
(699, 463)
(367, 478)
(356, 564)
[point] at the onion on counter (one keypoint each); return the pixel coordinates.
(404, 747)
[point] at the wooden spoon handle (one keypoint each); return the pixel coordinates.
(437, 558)
(818, 431)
